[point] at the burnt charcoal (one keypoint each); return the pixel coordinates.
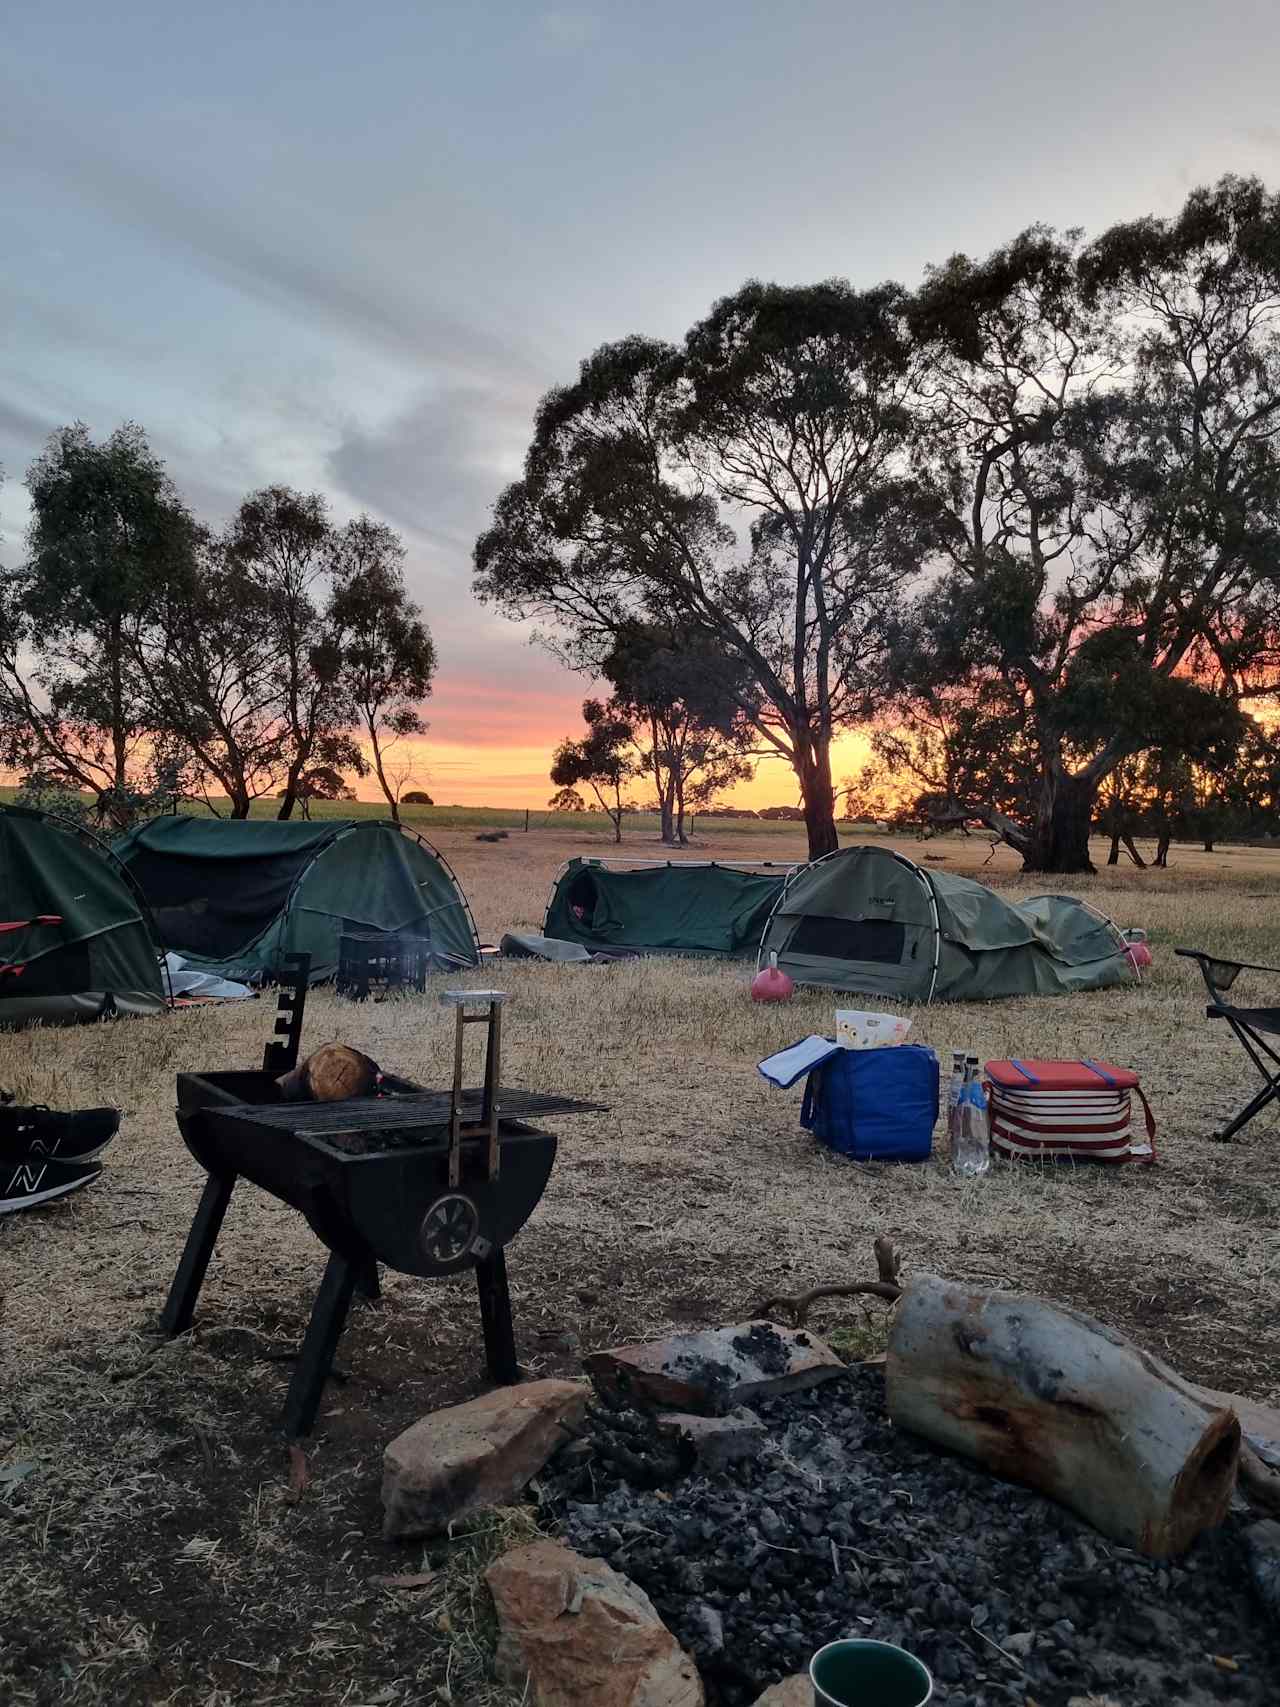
(842, 1526)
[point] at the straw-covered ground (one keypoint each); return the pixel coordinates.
(151, 1549)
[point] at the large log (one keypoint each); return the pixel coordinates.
(1047, 1396)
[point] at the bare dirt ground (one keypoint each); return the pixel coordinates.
(151, 1552)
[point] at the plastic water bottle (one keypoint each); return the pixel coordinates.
(971, 1152)
(953, 1092)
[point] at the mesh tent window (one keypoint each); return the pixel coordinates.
(879, 940)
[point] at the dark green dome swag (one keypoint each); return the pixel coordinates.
(868, 920)
(684, 907)
(99, 955)
(234, 897)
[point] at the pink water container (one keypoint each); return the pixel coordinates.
(771, 985)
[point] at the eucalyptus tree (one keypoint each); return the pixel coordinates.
(388, 655)
(684, 696)
(1098, 493)
(109, 536)
(742, 484)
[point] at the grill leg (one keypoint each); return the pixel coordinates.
(180, 1305)
(367, 1277)
(328, 1316)
(495, 1318)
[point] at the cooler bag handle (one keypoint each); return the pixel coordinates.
(811, 1107)
(1151, 1119)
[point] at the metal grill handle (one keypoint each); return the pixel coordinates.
(487, 1126)
(295, 975)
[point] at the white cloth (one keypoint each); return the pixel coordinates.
(788, 1065)
(186, 981)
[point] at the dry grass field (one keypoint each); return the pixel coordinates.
(152, 1553)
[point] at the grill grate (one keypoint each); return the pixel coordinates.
(423, 1113)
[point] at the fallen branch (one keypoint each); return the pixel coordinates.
(1045, 1395)
(797, 1307)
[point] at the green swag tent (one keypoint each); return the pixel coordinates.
(234, 897)
(677, 907)
(78, 941)
(866, 919)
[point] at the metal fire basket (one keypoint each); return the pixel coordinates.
(430, 1183)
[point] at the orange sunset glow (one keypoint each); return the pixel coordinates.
(490, 748)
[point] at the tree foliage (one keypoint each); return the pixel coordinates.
(685, 698)
(738, 485)
(603, 759)
(1025, 520)
(1098, 487)
(108, 536)
(144, 657)
(388, 656)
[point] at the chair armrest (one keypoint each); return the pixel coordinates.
(1203, 955)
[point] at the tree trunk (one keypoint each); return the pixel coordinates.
(1049, 1397)
(813, 769)
(383, 784)
(1208, 844)
(1113, 855)
(1162, 849)
(664, 783)
(289, 798)
(1059, 840)
(666, 813)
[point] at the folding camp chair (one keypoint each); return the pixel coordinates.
(1249, 1025)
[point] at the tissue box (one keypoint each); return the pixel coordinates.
(858, 1030)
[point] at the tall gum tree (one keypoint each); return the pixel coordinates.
(685, 698)
(208, 653)
(284, 545)
(743, 485)
(388, 655)
(1099, 491)
(109, 537)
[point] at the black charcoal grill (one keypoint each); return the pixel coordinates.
(428, 1182)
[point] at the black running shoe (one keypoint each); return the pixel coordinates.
(75, 1136)
(36, 1181)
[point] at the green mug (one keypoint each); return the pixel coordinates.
(859, 1673)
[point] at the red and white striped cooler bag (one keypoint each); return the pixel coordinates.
(1067, 1110)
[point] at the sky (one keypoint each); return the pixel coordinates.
(348, 247)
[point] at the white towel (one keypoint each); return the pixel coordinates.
(788, 1065)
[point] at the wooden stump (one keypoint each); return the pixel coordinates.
(1047, 1396)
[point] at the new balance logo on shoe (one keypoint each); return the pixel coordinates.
(33, 1183)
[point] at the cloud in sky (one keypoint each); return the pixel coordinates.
(350, 249)
(569, 26)
(435, 467)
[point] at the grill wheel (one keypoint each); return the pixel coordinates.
(449, 1228)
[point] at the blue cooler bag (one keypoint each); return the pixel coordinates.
(875, 1104)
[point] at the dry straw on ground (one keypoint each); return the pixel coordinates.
(152, 1552)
